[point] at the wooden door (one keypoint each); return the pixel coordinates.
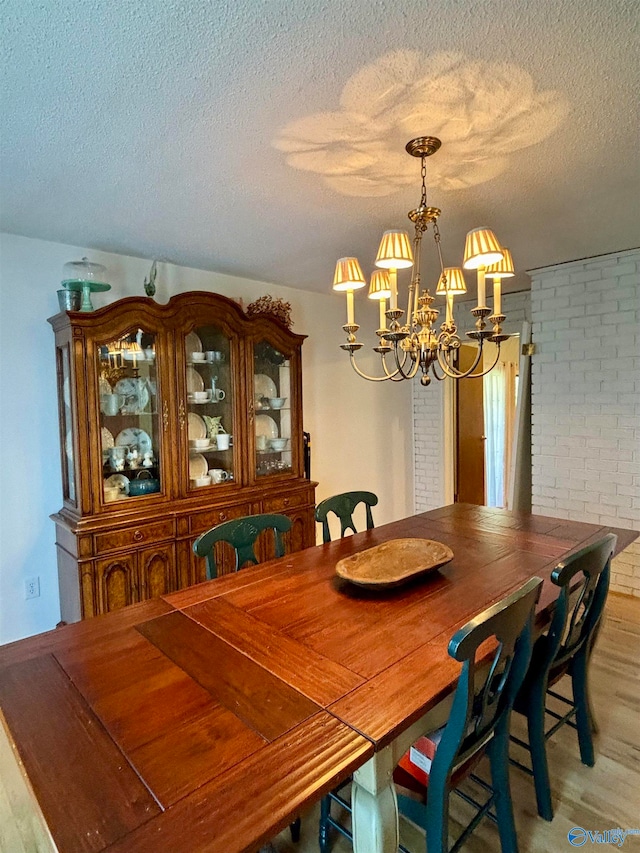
(470, 438)
(157, 571)
(116, 582)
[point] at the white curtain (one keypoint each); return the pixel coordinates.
(495, 402)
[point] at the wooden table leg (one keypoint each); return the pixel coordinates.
(375, 806)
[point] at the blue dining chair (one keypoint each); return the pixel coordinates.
(478, 723)
(565, 649)
(241, 534)
(343, 506)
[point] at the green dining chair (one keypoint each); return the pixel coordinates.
(565, 649)
(478, 723)
(343, 506)
(242, 534)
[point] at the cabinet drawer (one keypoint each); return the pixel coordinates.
(285, 502)
(134, 537)
(199, 522)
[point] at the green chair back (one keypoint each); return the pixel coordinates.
(242, 534)
(343, 506)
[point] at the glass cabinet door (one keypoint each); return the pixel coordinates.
(272, 402)
(130, 420)
(209, 407)
(66, 427)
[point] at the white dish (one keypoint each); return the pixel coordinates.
(264, 386)
(201, 481)
(135, 393)
(193, 343)
(199, 443)
(120, 481)
(196, 427)
(134, 437)
(198, 466)
(195, 382)
(107, 440)
(266, 426)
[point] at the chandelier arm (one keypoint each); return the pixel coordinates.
(452, 371)
(400, 365)
(469, 374)
(372, 378)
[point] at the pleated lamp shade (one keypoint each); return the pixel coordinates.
(504, 268)
(348, 275)
(455, 282)
(394, 251)
(481, 249)
(379, 286)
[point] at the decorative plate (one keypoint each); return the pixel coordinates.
(193, 343)
(107, 440)
(68, 446)
(196, 427)
(393, 563)
(266, 425)
(198, 466)
(134, 437)
(195, 382)
(135, 393)
(264, 386)
(120, 481)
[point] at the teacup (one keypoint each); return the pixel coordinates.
(217, 395)
(222, 440)
(278, 443)
(111, 403)
(218, 475)
(277, 402)
(214, 356)
(201, 396)
(201, 481)
(198, 356)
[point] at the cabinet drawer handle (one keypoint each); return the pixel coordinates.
(286, 502)
(138, 536)
(222, 516)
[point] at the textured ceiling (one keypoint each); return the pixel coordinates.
(266, 139)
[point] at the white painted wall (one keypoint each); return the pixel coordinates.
(361, 435)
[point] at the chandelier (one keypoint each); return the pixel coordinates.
(417, 345)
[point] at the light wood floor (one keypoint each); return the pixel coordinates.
(604, 797)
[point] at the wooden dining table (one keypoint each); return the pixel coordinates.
(209, 719)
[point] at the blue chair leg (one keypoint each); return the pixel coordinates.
(499, 758)
(583, 714)
(294, 829)
(323, 836)
(437, 827)
(538, 745)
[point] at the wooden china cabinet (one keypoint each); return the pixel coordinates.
(173, 418)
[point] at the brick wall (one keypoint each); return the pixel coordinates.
(586, 397)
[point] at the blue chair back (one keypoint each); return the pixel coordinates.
(343, 506)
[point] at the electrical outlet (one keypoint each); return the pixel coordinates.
(32, 587)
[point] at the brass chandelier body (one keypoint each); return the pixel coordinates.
(412, 338)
